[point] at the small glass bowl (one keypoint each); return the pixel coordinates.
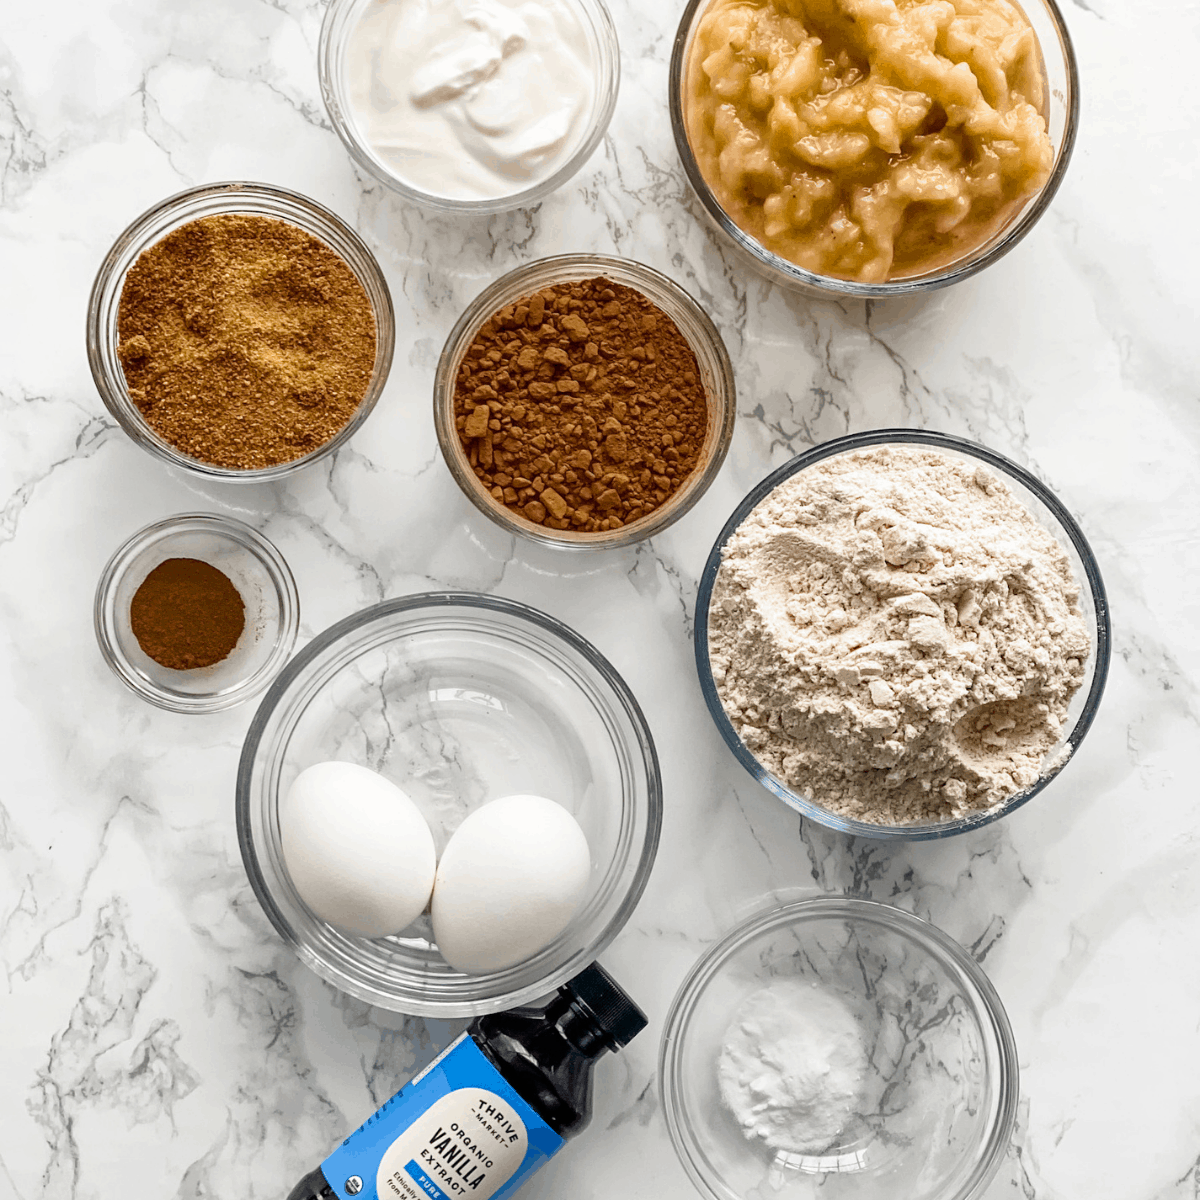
(1045, 507)
(254, 567)
(256, 199)
(458, 698)
(342, 16)
(716, 373)
(940, 1095)
(1062, 124)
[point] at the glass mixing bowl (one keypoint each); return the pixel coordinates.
(1045, 507)
(939, 1098)
(1062, 124)
(716, 373)
(458, 698)
(254, 199)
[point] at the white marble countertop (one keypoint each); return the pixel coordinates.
(155, 1036)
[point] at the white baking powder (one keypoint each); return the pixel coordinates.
(792, 1066)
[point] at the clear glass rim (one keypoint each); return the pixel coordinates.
(697, 327)
(231, 196)
(343, 632)
(788, 272)
(944, 441)
(277, 569)
(331, 45)
(988, 1010)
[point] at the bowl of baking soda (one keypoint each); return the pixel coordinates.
(842, 1049)
(902, 634)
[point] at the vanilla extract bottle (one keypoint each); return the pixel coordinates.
(491, 1108)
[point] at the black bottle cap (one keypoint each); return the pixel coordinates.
(595, 989)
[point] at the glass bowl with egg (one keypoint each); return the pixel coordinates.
(713, 377)
(840, 1044)
(460, 700)
(876, 729)
(475, 108)
(257, 571)
(873, 150)
(333, 405)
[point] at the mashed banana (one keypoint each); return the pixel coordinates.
(868, 139)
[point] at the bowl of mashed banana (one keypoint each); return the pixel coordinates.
(874, 147)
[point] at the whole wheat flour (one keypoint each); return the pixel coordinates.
(893, 634)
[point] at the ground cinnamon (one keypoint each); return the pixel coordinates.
(581, 407)
(187, 614)
(245, 341)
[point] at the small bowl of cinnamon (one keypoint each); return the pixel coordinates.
(196, 613)
(584, 401)
(239, 331)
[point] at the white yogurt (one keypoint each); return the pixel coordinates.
(471, 99)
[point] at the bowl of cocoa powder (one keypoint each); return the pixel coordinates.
(239, 331)
(902, 634)
(584, 401)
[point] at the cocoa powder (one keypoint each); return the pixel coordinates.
(581, 406)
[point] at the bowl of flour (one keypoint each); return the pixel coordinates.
(902, 634)
(841, 1049)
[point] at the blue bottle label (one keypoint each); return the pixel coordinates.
(458, 1131)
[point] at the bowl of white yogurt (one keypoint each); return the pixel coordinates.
(470, 105)
(838, 1047)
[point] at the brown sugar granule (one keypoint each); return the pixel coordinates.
(581, 407)
(246, 342)
(187, 614)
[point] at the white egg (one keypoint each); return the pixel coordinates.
(511, 878)
(357, 849)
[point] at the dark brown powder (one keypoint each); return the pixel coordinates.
(187, 614)
(246, 342)
(581, 407)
